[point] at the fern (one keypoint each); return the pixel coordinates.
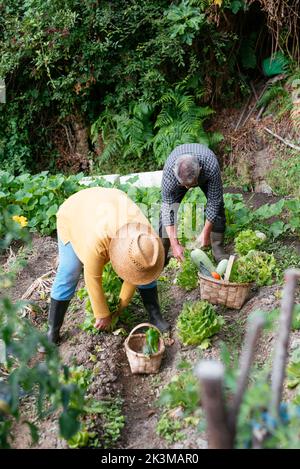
(127, 134)
(272, 93)
(132, 134)
(179, 121)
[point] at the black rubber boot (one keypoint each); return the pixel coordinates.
(217, 245)
(56, 316)
(150, 301)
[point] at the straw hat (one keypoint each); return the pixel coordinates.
(137, 254)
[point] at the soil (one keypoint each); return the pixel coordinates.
(105, 356)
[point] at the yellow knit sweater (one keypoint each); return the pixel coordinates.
(88, 220)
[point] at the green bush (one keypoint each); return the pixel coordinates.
(69, 65)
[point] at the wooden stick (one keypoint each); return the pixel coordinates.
(243, 112)
(211, 376)
(270, 81)
(254, 329)
(253, 90)
(281, 348)
(254, 106)
(289, 144)
(260, 112)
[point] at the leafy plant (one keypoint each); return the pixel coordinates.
(254, 416)
(286, 257)
(283, 175)
(187, 277)
(274, 316)
(179, 121)
(293, 371)
(182, 391)
(81, 439)
(185, 21)
(273, 92)
(152, 341)
(169, 428)
(102, 424)
(197, 322)
(129, 133)
(38, 379)
(248, 240)
(256, 266)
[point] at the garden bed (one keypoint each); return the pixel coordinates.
(104, 355)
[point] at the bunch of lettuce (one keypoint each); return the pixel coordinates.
(187, 277)
(248, 240)
(256, 266)
(197, 322)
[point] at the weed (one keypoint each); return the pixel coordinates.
(182, 391)
(284, 175)
(234, 332)
(286, 256)
(169, 428)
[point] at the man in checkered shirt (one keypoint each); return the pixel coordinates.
(192, 165)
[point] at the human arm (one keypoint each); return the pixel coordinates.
(204, 237)
(170, 205)
(177, 249)
(126, 293)
(93, 269)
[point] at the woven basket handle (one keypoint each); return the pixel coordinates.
(228, 268)
(143, 324)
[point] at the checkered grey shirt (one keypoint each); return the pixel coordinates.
(209, 174)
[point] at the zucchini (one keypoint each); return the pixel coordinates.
(199, 257)
(204, 270)
(222, 267)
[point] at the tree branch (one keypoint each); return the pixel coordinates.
(211, 376)
(289, 144)
(254, 329)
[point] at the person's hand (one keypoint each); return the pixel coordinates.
(177, 250)
(204, 239)
(103, 323)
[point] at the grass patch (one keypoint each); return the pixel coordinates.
(284, 175)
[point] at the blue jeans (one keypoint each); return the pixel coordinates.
(68, 274)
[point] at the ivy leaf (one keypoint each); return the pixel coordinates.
(52, 210)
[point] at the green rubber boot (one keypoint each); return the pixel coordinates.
(217, 245)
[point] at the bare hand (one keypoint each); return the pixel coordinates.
(103, 323)
(204, 239)
(177, 250)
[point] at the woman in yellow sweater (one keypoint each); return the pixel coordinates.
(99, 225)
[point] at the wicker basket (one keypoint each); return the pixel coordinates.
(140, 363)
(221, 292)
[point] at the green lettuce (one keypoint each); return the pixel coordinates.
(197, 322)
(248, 240)
(256, 266)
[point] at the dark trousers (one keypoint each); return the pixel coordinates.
(219, 224)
